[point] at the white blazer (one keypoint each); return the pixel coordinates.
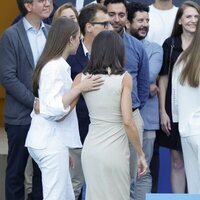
(185, 104)
(55, 81)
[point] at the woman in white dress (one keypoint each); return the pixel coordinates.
(55, 128)
(105, 154)
(186, 108)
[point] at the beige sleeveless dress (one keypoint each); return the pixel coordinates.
(105, 154)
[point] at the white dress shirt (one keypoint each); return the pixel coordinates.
(55, 81)
(185, 104)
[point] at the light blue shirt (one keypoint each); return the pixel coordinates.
(150, 111)
(36, 39)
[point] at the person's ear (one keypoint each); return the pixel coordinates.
(88, 28)
(179, 22)
(128, 24)
(28, 6)
(70, 43)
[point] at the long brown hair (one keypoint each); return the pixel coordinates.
(58, 37)
(177, 28)
(191, 59)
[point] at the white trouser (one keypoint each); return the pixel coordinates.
(191, 157)
(53, 162)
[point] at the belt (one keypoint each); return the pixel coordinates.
(134, 109)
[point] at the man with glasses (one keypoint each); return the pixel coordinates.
(137, 65)
(20, 48)
(92, 20)
(46, 20)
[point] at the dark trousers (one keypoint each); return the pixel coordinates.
(154, 167)
(80, 196)
(16, 164)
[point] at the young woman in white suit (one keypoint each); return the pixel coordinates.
(55, 128)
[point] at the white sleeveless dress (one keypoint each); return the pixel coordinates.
(105, 154)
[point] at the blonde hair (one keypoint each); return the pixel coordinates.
(63, 7)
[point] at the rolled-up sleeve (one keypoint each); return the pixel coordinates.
(53, 85)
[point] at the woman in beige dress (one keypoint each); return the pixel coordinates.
(105, 154)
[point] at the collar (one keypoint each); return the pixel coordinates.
(28, 26)
(85, 50)
(123, 33)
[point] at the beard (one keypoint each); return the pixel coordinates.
(136, 34)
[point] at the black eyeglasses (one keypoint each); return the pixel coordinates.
(105, 24)
(45, 1)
